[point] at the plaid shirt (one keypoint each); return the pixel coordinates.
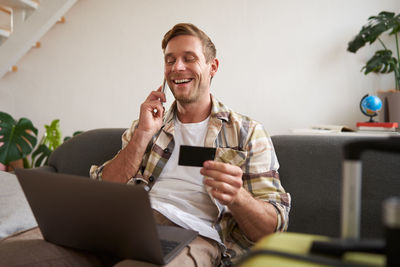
(239, 141)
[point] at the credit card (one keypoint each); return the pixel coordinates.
(195, 155)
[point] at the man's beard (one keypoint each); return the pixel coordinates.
(187, 99)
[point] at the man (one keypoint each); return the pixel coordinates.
(231, 201)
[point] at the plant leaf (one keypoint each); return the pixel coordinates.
(374, 28)
(43, 152)
(381, 62)
(52, 136)
(18, 138)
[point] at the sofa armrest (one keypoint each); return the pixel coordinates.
(45, 168)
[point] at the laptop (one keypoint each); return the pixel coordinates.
(101, 217)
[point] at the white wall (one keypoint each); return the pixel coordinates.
(283, 63)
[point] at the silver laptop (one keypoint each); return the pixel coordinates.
(103, 217)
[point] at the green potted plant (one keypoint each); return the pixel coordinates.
(17, 140)
(383, 61)
(49, 142)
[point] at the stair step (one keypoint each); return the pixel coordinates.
(20, 3)
(6, 21)
(5, 33)
(27, 32)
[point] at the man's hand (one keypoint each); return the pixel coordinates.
(126, 164)
(256, 218)
(226, 181)
(151, 113)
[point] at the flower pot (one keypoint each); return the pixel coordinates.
(383, 114)
(18, 164)
(393, 103)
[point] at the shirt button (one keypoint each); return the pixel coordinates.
(166, 150)
(138, 181)
(151, 179)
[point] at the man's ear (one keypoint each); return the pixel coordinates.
(214, 67)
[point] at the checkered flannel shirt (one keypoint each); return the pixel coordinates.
(239, 141)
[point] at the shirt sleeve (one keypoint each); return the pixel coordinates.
(261, 177)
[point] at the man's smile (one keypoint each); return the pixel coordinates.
(181, 81)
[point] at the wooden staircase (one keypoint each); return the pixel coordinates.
(23, 23)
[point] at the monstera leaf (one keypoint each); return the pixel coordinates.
(40, 156)
(377, 25)
(17, 139)
(381, 62)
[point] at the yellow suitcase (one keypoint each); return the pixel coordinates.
(293, 249)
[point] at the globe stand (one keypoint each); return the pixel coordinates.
(371, 116)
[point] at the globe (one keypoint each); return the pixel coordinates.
(370, 105)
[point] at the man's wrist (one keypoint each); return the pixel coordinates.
(242, 198)
(140, 135)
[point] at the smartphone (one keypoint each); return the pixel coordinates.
(163, 86)
(162, 90)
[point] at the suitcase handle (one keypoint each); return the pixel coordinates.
(351, 183)
(353, 150)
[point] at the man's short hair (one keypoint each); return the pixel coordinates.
(209, 50)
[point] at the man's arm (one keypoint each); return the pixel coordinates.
(255, 217)
(261, 205)
(127, 163)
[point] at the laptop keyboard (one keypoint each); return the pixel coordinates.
(168, 245)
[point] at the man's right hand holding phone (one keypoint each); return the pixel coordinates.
(152, 112)
(126, 164)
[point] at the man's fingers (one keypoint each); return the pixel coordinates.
(155, 107)
(223, 172)
(222, 167)
(224, 199)
(221, 186)
(156, 95)
(222, 177)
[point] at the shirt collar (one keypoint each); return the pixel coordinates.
(218, 110)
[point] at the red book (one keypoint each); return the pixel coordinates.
(378, 124)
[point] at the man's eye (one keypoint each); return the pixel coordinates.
(190, 59)
(169, 61)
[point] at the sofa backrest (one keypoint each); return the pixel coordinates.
(311, 171)
(93, 147)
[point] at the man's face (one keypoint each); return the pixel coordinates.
(186, 70)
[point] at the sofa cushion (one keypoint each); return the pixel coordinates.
(15, 213)
(76, 155)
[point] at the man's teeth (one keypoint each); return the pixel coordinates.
(182, 81)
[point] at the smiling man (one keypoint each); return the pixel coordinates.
(233, 200)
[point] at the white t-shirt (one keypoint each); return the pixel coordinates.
(179, 193)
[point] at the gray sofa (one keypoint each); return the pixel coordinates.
(311, 170)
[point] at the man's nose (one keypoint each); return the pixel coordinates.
(179, 65)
